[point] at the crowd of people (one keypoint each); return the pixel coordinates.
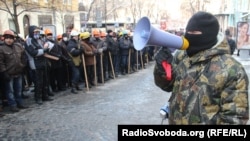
(54, 63)
(207, 85)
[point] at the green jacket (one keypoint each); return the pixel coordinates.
(210, 87)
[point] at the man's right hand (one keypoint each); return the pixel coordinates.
(45, 49)
(163, 54)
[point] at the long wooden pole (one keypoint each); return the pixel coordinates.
(142, 64)
(137, 62)
(102, 68)
(50, 56)
(129, 55)
(95, 71)
(111, 64)
(85, 72)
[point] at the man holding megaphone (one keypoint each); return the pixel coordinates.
(208, 85)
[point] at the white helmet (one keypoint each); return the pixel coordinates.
(74, 33)
(42, 32)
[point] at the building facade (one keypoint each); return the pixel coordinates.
(59, 13)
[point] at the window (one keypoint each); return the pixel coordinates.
(67, 2)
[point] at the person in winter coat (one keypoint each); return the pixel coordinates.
(75, 52)
(38, 64)
(12, 63)
(208, 85)
(90, 53)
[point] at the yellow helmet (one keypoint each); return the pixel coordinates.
(84, 35)
(120, 33)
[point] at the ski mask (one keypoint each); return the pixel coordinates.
(208, 25)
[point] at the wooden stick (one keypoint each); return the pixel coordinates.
(141, 60)
(50, 56)
(137, 61)
(95, 77)
(129, 54)
(110, 58)
(85, 72)
(102, 68)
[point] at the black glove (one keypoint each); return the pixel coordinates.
(81, 49)
(163, 54)
(45, 49)
(95, 52)
(6, 76)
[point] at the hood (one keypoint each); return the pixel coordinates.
(31, 30)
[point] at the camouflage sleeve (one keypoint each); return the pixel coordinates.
(234, 97)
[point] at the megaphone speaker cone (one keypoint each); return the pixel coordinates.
(145, 34)
(141, 33)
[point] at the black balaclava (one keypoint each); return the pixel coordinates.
(208, 25)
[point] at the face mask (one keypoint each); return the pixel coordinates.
(199, 43)
(50, 37)
(43, 38)
(65, 39)
(36, 36)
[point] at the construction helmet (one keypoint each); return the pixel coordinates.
(8, 32)
(74, 33)
(47, 31)
(103, 34)
(120, 33)
(42, 32)
(84, 35)
(96, 33)
(59, 36)
(124, 32)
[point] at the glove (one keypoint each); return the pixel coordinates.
(163, 54)
(100, 50)
(6, 76)
(81, 49)
(45, 49)
(95, 51)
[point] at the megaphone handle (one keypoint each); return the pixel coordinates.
(167, 68)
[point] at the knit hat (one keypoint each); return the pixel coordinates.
(208, 25)
(64, 35)
(109, 31)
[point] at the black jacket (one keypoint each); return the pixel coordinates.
(34, 51)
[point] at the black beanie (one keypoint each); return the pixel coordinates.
(208, 25)
(109, 31)
(64, 35)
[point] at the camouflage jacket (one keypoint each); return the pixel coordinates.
(210, 87)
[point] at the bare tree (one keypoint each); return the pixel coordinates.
(192, 6)
(90, 8)
(12, 8)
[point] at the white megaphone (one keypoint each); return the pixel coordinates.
(145, 34)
